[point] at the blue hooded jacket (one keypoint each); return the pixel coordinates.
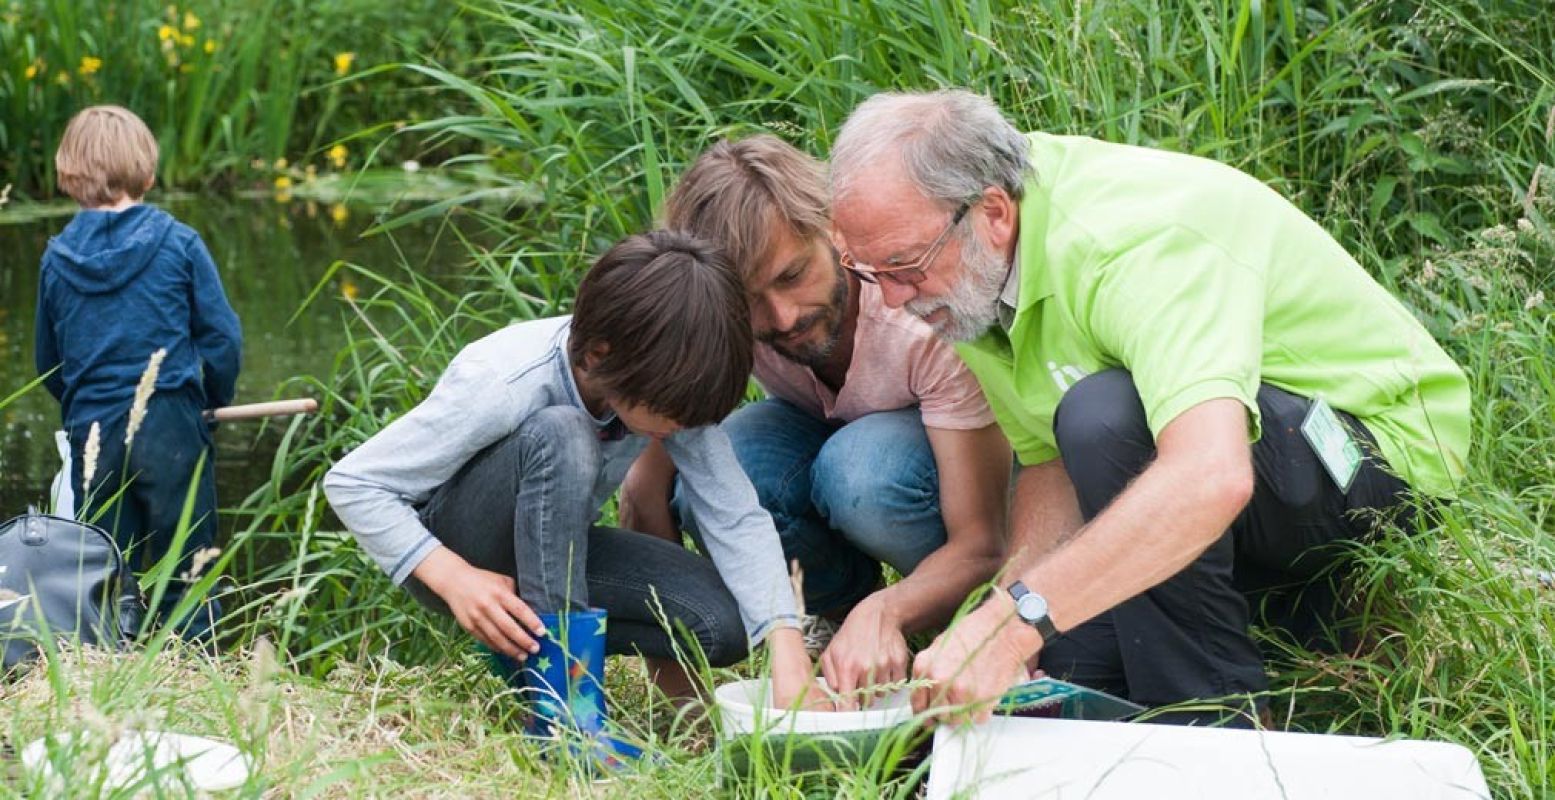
(115, 287)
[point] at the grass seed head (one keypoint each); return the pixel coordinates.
(89, 454)
(143, 391)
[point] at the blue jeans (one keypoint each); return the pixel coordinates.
(139, 495)
(844, 499)
(522, 507)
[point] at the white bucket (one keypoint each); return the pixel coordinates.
(745, 709)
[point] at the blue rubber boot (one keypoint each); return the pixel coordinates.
(563, 686)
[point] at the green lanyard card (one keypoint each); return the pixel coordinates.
(1332, 443)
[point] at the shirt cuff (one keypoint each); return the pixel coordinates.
(780, 621)
(1162, 412)
(412, 559)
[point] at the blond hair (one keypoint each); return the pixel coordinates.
(107, 153)
(739, 193)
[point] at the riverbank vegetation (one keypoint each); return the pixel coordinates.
(1421, 134)
(234, 91)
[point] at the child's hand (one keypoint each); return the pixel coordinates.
(485, 603)
(793, 676)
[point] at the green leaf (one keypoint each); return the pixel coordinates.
(1380, 195)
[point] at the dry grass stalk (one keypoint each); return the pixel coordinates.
(143, 391)
(89, 453)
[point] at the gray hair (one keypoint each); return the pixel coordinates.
(952, 143)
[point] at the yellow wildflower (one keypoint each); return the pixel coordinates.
(185, 39)
(339, 214)
(190, 21)
(283, 183)
(348, 289)
(166, 33)
(343, 62)
(210, 46)
(62, 78)
(33, 69)
(280, 163)
(90, 65)
(337, 155)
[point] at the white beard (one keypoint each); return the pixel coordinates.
(972, 304)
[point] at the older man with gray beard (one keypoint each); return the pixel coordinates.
(1204, 390)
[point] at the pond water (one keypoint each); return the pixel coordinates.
(270, 255)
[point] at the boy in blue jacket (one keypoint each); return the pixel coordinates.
(122, 282)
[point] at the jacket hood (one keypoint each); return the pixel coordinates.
(100, 251)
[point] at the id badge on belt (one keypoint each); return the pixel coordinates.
(1332, 443)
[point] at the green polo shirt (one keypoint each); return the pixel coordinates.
(1203, 282)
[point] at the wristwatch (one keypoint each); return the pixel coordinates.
(1032, 609)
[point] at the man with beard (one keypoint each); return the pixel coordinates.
(1207, 395)
(874, 445)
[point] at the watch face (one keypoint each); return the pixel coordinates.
(1031, 607)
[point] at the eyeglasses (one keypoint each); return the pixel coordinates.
(907, 274)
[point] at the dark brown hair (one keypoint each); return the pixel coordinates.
(739, 192)
(675, 326)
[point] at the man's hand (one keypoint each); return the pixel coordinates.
(485, 603)
(867, 651)
(792, 683)
(974, 662)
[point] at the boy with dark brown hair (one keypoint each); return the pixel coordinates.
(483, 499)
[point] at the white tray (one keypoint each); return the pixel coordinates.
(1057, 758)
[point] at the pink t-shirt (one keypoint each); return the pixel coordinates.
(897, 362)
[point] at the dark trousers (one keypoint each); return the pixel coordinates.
(138, 494)
(523, 507)
(1188, 638)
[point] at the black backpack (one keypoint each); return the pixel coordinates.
(72, 577)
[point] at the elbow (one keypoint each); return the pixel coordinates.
(1228, 489)
(336, 487)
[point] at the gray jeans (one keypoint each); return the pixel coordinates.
(521, 507)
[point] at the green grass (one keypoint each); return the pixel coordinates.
(228, 87)
(1421, 134)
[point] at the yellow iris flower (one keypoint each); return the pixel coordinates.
(343, 62)
(166, 33)
(90, 65)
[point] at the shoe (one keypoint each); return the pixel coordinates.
(818, 633)
(563, 688)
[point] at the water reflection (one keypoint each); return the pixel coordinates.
(270, 256)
